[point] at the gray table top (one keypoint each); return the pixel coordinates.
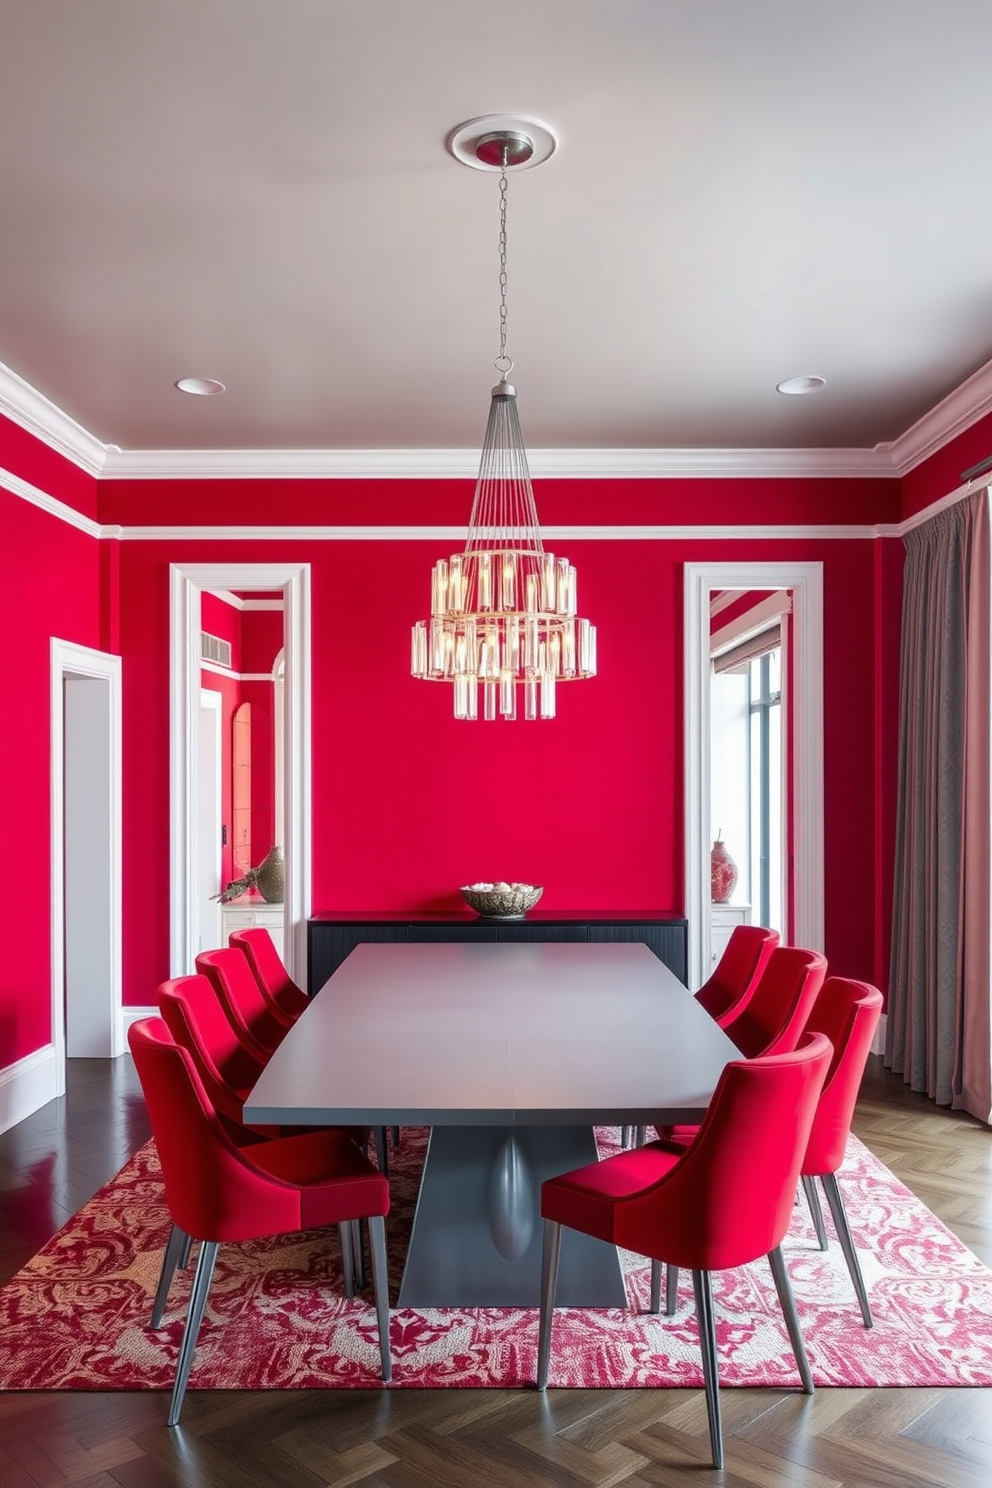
(495, 1035)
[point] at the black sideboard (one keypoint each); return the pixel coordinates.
(331, 936)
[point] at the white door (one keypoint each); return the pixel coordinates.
(88, 868)
(210, 819)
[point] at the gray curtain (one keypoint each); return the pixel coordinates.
(938, 1026)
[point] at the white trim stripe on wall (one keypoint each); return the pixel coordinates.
(395, 533)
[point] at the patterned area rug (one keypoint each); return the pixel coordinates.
(76, 1317)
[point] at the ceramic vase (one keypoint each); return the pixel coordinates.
(723, 874)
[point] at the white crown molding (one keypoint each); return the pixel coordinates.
(18, 487)
(571, 533)
(968, 402)
(463, 464)
(31, 410)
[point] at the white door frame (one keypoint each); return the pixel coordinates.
(71, 660)
(211, 702)
(805, 580)
(187, 581)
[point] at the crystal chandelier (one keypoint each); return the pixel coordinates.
(503, 611)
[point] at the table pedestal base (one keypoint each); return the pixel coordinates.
(477, 1231)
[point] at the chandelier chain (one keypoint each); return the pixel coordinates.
(503, 363)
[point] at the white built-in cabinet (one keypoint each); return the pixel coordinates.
(245, 913)
(723, 920)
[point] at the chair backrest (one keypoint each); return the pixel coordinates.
(213, 1191)
(240, 995)
(265, 961)
(729, 1200)
(847, 1012)
(199, 1024)
(738, 971)
(775, 1014)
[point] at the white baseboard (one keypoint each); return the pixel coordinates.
(133, 1014)
(27, 1086)
(878, 1042)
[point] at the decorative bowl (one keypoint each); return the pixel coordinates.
(501, 901)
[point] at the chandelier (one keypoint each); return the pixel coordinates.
(503, 611)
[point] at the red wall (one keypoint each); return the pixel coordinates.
(408, 803)
(49, 585)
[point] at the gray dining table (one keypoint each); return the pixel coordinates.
(512, 1054)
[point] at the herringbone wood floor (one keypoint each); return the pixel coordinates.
(50, 1164)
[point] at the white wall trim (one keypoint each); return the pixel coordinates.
(31, 410)
(134, 1014)
(71, 660)
(463, 464)
(27, 1085)
(27, 492)
(187, 584)
(847, 532)
(223, 671)
(559, 533)
(964, 406)
(806, 582)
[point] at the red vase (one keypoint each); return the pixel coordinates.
(723, 874)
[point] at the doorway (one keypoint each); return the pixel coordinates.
(187, 583)
(210, 815)
(87, 1012)
(804, 582)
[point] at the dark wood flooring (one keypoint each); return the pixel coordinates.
(51, 1163)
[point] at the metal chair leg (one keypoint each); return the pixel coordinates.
(194, 1317)
(626, 1137)
(381, 1151)
(395, 1133)
(380, 1286)
(816, 1213)
(184, 1258)
(177, 1242)
(655, 1286)
(703, 1292)
(784, 1288)
(347, 1257)
(358, 1254)
(832, 1190)
(550, 1257)
(671, 1290)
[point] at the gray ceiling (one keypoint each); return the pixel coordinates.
(743, 191)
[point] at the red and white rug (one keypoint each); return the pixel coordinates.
(76, 1317)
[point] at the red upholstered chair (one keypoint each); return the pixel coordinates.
(195, 1018)
(256, 1025)
(218, 1192)
(723, 1201)
(738, 972)
(197, 1021)
(774, 1015)
(275, 983)
(847, 1012)
(287, 1001)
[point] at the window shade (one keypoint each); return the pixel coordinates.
(739, 657)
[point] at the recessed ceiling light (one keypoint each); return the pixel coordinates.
(203, 387)
(801, 385)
